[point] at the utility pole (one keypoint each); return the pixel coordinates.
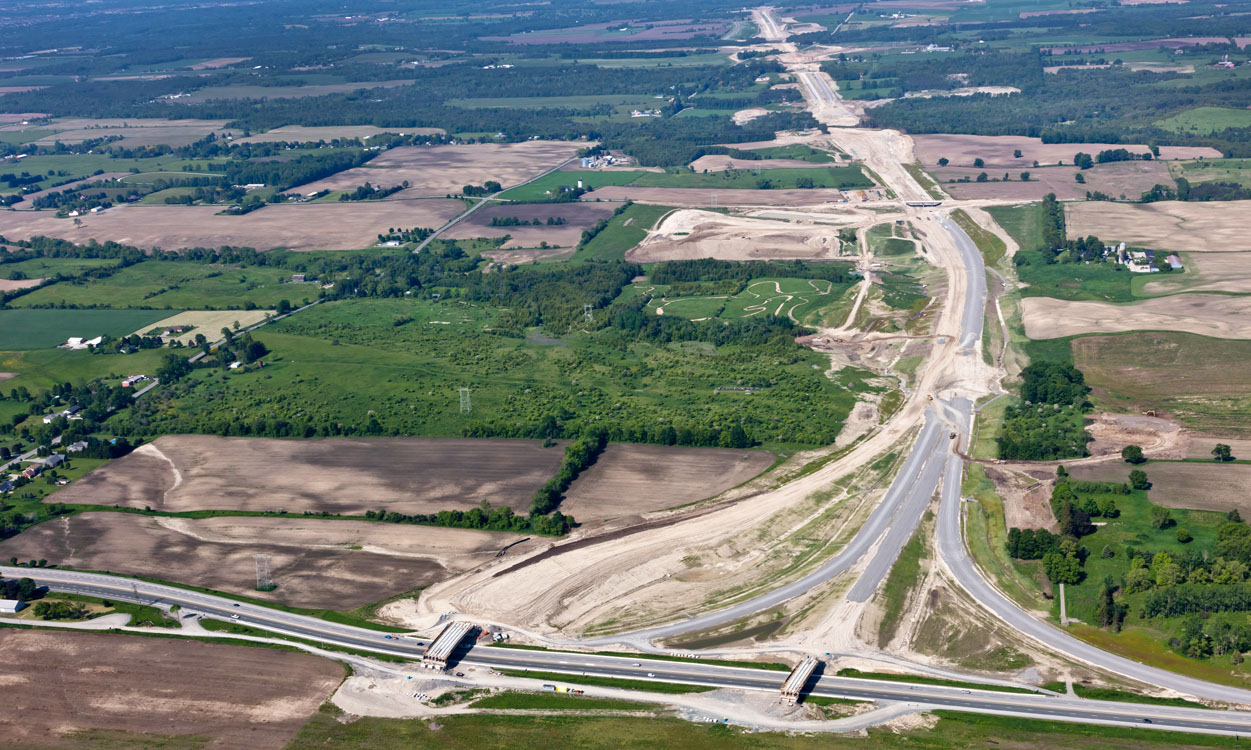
(465, 406)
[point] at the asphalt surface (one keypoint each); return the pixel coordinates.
(896, 516)
(642, 668)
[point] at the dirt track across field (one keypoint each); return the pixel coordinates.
(1205, 314)
(642, 478)
(338, 475)
(174, 549)
(307, 226)
(59, 683)
(1167, 225)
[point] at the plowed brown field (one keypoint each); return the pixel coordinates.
(129, 686)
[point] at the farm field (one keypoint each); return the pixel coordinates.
(62, 167)
(44, 329)
(577, 217)
(1166, 225)
(173, 285)
(46, 268)
(243, 91)
(312, 134)
(241, 696)
(1179, 484)
(953, 730)
(1203, 314)
(345, 362)
(310, 226)
(1204, 170)
(1205, 272)
(689, 198)
(997, 150)
(722, 163)
(170, 549)
(1127, 178)
(1205, 120)
(624, 232)
(441, 170)
(41, 368)
(635, 479)
(337, 475)
(134, 132)
(624, 184)
(1143, 370)
(206, 322)
(688, 234)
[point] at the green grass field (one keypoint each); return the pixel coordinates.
(1206, 120)
(43, 329)
(175, 285)
(1141, 370)
(795, 151)
(61, 167)
(41, 368)
(558, 702)
(345, 361)
(1024, 223)
(46, 268)
(1204, 170)
(623, 232)
(741, 179)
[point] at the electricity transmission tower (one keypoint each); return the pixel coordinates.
(263, 580)
(588, 313)
(465, 405)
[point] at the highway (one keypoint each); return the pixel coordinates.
(896, 516)
(1039, 705)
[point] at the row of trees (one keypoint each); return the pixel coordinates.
(579, 456)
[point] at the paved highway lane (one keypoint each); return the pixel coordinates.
(953, 552)
(647, 669)
(897, 510)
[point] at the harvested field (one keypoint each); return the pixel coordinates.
(455, 549)
(1209, 272)
(208, 322)
(1161, 67)
(303, 134)
(172, 549)
(1199, 486)
(134, 132)
(284, 92)
(1203, 314)
(1127, 178)
(1166, 225)
(637, 479)
(339, 475)
(721, 162)
(12, 285)
(441, 170)
(577, 217)
(237, 696)
(701, 198)
(688, 234)
(1139, 371)
(1172, 43)
(1200, 444)
(218, 62)
(997, 150)
(528, 255)
(307, 226)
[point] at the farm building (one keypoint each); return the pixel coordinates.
(56, 459)
(11, 606)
